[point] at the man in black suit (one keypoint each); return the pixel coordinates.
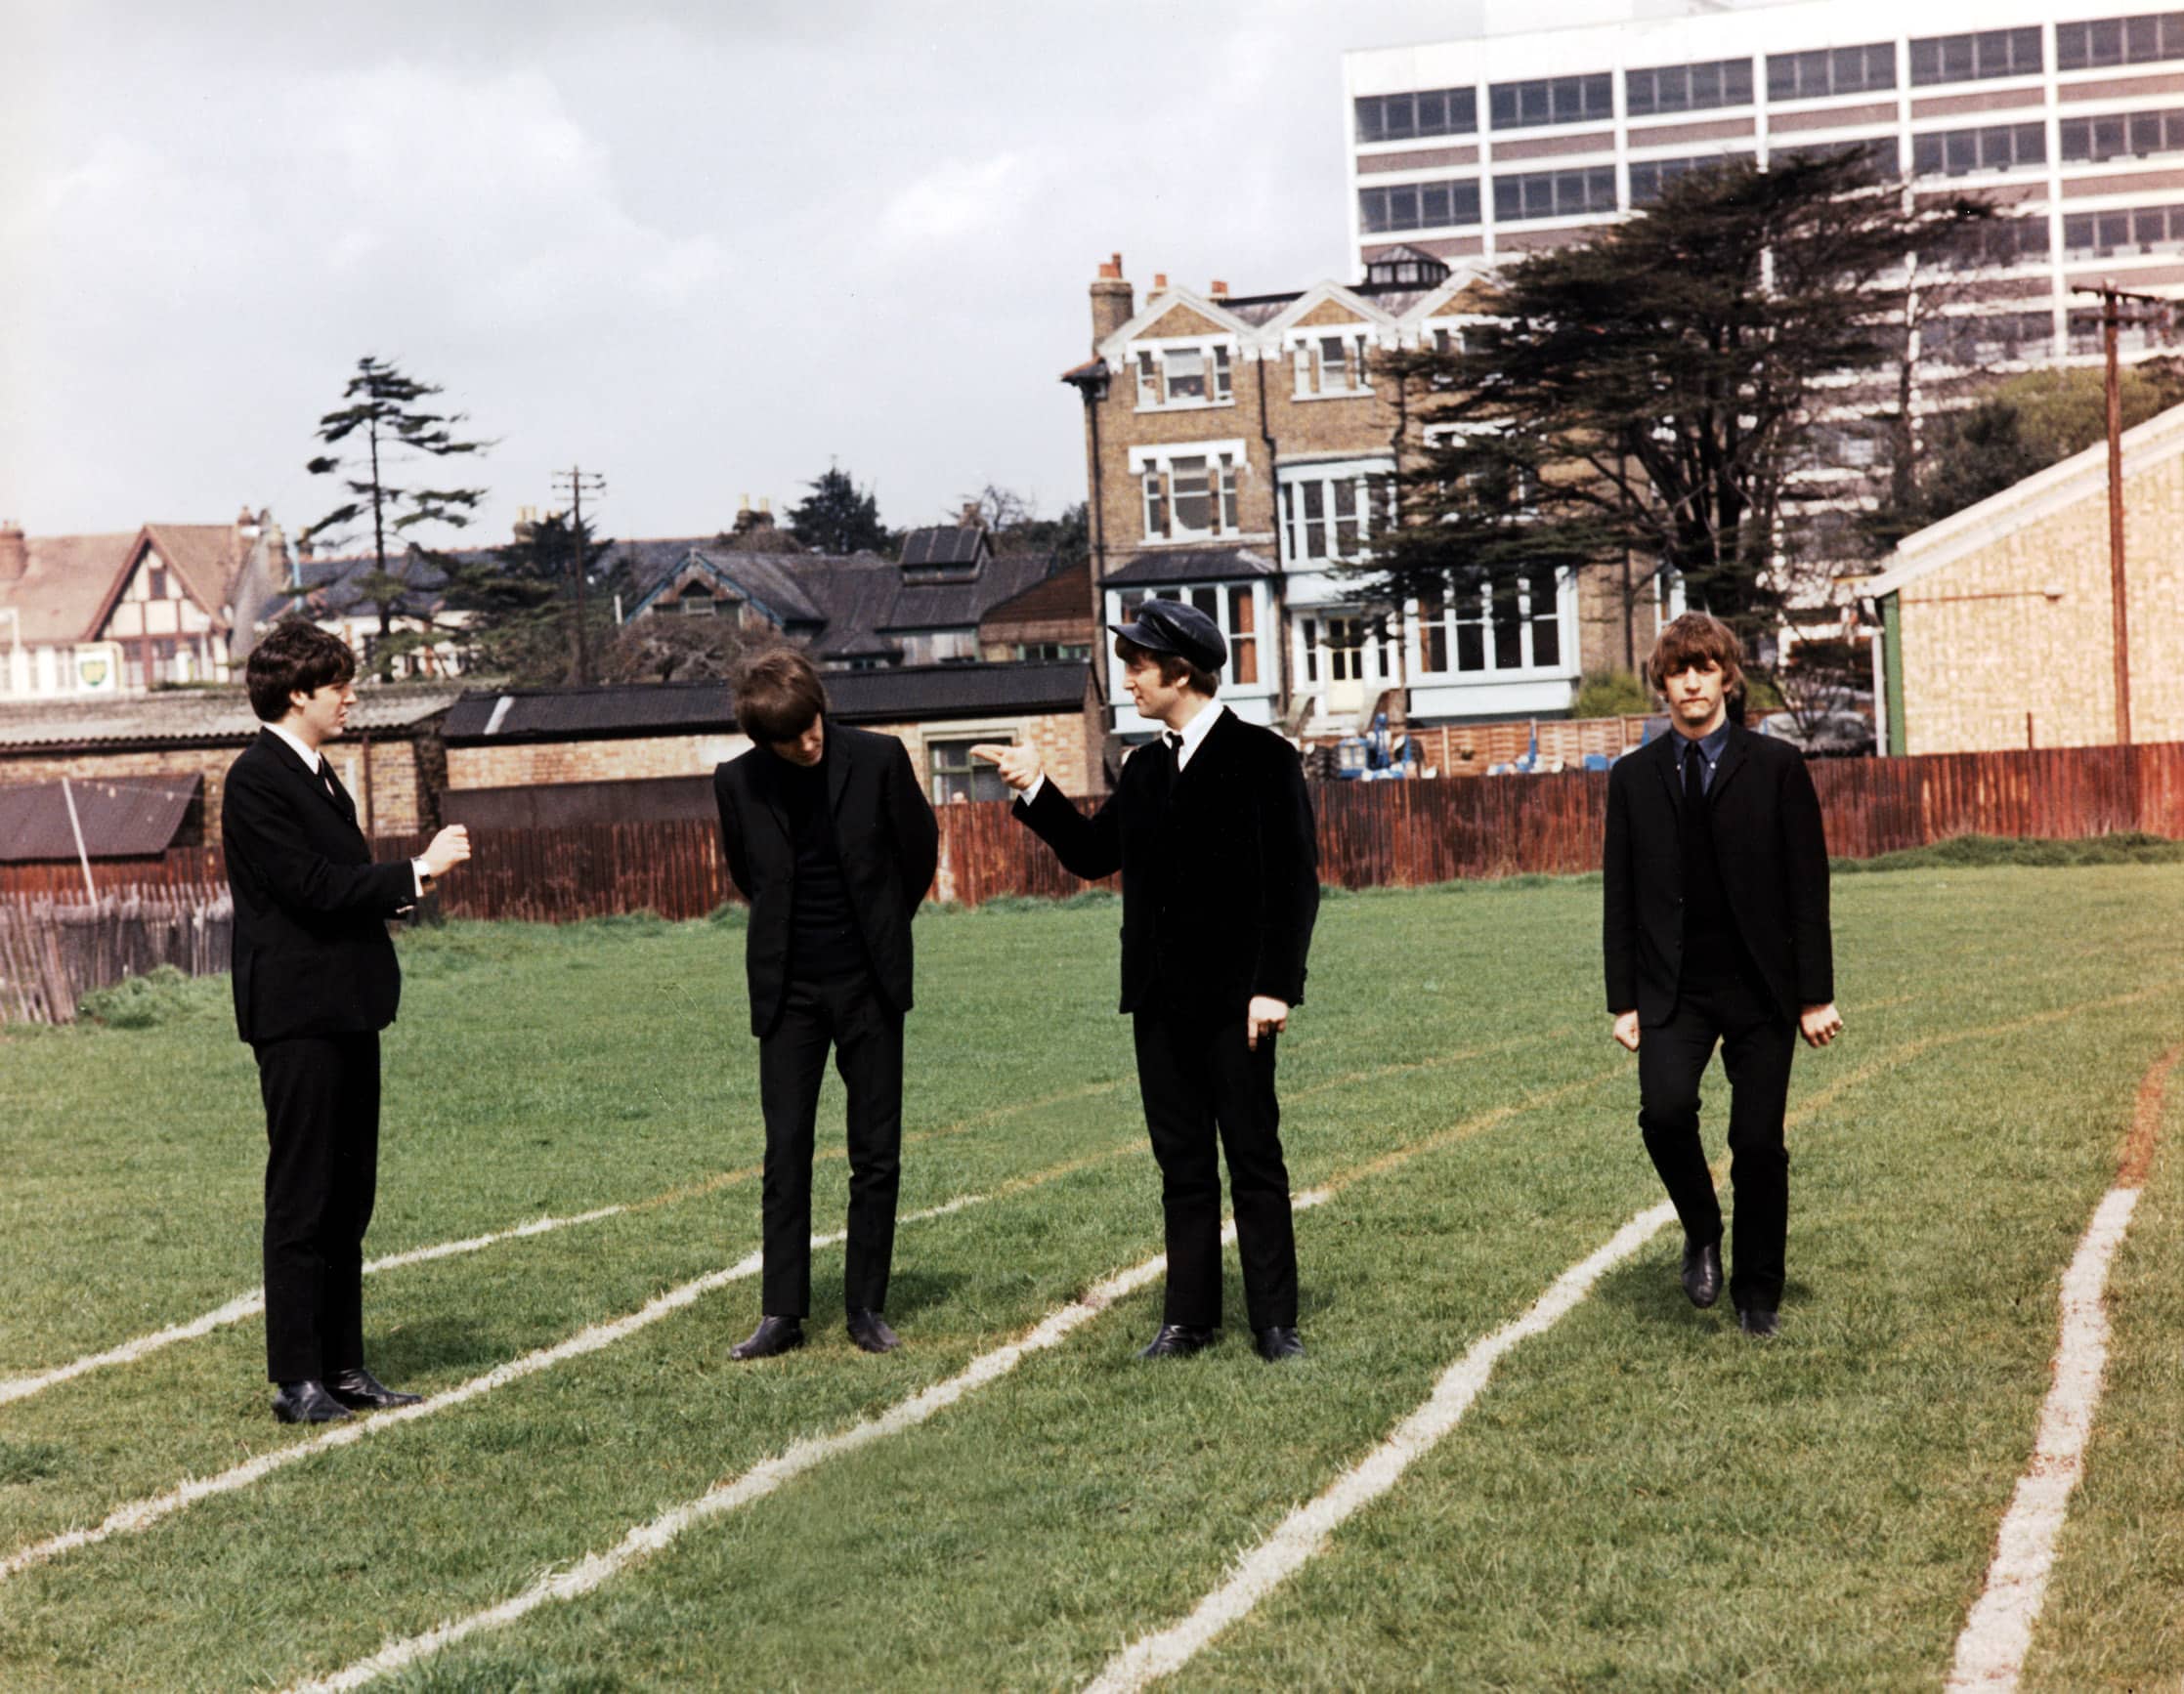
(1716, 931)
(829, 836)
(315, 981)
(1212, 830)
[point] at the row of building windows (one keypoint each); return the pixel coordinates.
(2121, 134)
(2140, 229)
(1867, 69)
(1418, 206)
(1554, 193)
(1510, 624)
(1995, 242)
(1648, 177)
(2109, 41)
(1959, 152)
(1334, 517)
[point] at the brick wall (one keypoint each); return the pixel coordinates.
(525, 764)
(1985, 641)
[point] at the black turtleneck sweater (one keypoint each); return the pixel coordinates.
(824, 942)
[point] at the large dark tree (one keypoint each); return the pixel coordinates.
(1645, 396)
(388, 426)
(522, 602)
(839, 517)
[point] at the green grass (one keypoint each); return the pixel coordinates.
(1639, 1499)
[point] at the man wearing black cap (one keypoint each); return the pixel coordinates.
(1212, 830)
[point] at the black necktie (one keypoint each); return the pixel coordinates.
(1174, 741)
(1695, 774)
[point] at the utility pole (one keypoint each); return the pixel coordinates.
(2112, 300)
(576, 481)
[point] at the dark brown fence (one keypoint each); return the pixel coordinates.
(55, 951)
(1371, 835)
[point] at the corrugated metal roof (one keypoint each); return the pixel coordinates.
(889, 695)
(122, 818)
(195, 715)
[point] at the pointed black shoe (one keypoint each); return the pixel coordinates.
(869, 1332)
(1759, 1321)
(307, 1402)
(1177, 1342)
(1278, 1343)
(772, 1336)
(1702, 1273)
(360, 1391)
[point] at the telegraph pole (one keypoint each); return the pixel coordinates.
(2112, 300)
(576, 482)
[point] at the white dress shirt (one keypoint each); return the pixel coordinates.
(1185, 741)
(313, 760)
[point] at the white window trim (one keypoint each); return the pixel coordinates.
(1205, 344)
(1361, 337)
(1263, 634)
(1162, 458)
(1565, 621)
(1326, 472)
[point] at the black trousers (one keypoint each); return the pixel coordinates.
(1200, 1079)
(321, 1095)
(1757, 1045)
(865, 1031)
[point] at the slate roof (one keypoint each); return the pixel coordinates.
(133, 818)
(1190, 565)
(945, 544)
(195, 717)
(922, 692)
(1067, 593)
(330, 585)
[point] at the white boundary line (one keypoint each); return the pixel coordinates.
(141, 1514)
(249, 1305)
(1998, 1632)
(595, 1570)
(1301, 1536)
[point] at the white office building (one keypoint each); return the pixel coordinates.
(2071, 115)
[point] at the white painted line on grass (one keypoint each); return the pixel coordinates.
(249, 1305)
(595, 1570)
(1300, 1536)
(141, 1514)
(1998, 1632)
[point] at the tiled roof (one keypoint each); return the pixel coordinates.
(198, 716)
(889, 695)
(68, 580)
(131, 817)
(1067, 593)
(206, 556)
(1191, 564)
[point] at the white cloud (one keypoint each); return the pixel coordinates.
(957, 199)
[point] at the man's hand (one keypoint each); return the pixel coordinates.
(1626, 1030)
(1820, 1024)
(1019, 767)
(449, 848)
(1266, 1015)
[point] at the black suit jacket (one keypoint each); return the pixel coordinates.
(1766, 823)
(1223, 870)
(890, 844)
(312, 956)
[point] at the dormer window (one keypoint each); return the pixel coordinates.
(1184, 376)
(697, 601)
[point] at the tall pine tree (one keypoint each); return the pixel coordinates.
(839, 517)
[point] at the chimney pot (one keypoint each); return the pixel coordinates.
(1160, 281)
(765, 502)
(1220, 290)
(1112, 270)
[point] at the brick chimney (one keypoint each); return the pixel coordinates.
(1113, 301)
(14, 551)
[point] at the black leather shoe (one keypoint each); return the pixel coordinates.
(1758, 1321)
(1702, 1273)
(1177, 1342)
(1278, 1343)
(772, 1336)
(360, 1391)
(869, 1332)
(307, 1402)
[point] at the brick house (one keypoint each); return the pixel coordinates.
(535, 756)
(1983, 613)
(390, 759)
(125, 612)
(1242, 453)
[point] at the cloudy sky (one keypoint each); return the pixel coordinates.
(704, 249)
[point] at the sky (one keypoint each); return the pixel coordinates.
(704, 250)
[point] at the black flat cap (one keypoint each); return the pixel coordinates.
(1177, 627)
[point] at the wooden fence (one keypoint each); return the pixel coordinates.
(54, 951)
(1371, 835)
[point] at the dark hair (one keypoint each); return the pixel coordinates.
(1698, 639)
(778, 695)
(1173, 667)
(295, 657)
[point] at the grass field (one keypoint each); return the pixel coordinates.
(1638, 1497)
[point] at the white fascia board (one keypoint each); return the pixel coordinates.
(1160, 452)
(1280, 328)
(1157, 307)
(2082, 475)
